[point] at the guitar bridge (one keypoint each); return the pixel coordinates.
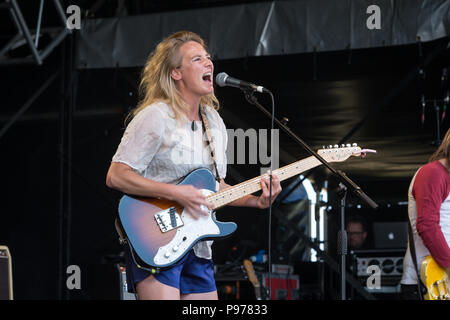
(168, 220)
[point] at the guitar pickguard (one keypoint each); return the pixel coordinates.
(185, 237)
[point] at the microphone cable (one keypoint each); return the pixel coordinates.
(269, 253)
(252, 100)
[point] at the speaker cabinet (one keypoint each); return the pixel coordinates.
(282, 286)
(390, 267)
(6, 284)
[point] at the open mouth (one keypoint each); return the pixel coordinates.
(207, 77)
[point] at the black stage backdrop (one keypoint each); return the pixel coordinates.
(368, 96)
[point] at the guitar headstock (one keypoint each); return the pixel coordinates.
(341, 153)
(248, 265)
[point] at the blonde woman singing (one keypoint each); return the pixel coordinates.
(164, 142)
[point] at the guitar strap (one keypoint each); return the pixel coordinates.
(209, 141)
(123, 240)
(421, 288)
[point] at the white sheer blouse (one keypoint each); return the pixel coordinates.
(158, 148)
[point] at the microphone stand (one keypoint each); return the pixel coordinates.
(345, 182)
(251, 99)
(436, 106)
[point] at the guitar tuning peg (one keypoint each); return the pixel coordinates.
(323, 147)
(336, 146)
(348, 145)
(342, 145)
(354, 145)
(330, 147)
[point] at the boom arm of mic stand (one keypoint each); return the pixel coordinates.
(341, 176)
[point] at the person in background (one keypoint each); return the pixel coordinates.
(429, 214)
(356, 228)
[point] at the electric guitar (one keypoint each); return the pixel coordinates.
(248, 265)
(435, 279)
(160, 232)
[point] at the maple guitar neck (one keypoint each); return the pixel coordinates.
(222, 198)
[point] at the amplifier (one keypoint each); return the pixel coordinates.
(282, 269)
(124, 291)
(390, 262)
(389, 266)
(6, 285)
(232, 282)
(283, 286)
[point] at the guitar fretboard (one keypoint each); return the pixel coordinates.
(224, 197)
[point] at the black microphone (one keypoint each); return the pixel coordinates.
(223, 80)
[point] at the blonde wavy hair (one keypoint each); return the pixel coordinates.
(157, 85)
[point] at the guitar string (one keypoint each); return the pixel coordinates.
(253, 185)
(221, 198)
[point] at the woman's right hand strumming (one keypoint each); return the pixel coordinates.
(191, 199)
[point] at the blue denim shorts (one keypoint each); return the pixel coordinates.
(190, 275)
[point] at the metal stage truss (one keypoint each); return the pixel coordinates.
(31, 37)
